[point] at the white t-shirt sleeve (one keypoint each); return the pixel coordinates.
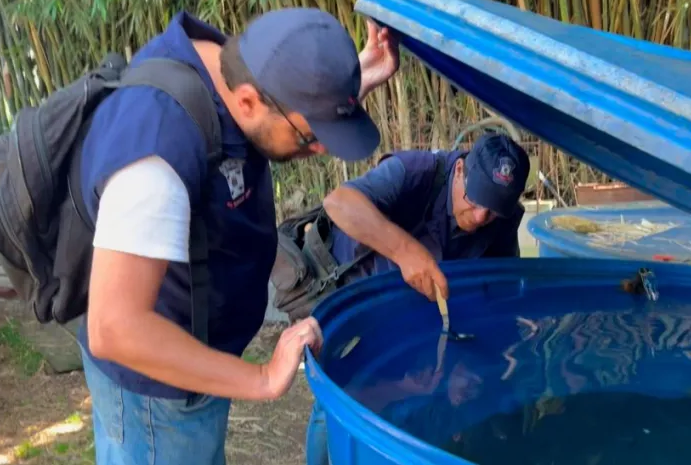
(145, 210)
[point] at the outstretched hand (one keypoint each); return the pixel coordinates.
(421, 271)
(282, 368)
(379, 60)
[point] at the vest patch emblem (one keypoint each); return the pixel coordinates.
(231, 169)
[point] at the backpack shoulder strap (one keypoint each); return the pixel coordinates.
(437, 184)
(183, 83)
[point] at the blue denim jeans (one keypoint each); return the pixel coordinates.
(132, 429)
(316, 448)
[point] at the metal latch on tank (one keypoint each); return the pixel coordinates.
(644, 282)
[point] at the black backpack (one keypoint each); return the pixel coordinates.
(45, 233)
(305, 272)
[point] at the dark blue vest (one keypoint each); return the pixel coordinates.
(437, 235)
(137, 122)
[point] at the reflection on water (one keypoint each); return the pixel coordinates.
(592, 389)
(604, 428)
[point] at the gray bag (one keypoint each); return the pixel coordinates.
(305, 272)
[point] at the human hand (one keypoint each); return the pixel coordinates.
(424, 382)
(421, 271)
(464, 385)
(281, 370)
(379, 60)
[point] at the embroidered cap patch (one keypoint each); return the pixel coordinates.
(503, 174)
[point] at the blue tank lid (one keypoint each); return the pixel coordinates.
(639, 230)
(618, 104)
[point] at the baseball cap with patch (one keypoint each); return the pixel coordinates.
(305, 59)
(496, 171)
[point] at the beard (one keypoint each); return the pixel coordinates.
(261, 141)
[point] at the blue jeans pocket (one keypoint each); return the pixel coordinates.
(114, 423)
(107, 403)
(186, 406)
(189, 432)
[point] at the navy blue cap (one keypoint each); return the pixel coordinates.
(305, 59)
(496, 171)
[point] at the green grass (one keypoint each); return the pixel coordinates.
(61, 448)
(73, 419)
(26, 451)
(72, 449)
(89, 453)
(22, 352)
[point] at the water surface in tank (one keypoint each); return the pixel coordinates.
(597, 378)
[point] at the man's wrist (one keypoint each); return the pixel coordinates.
(402, 243)
(267, 392)
(254, 384)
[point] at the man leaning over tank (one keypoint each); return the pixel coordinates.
(475, 215)
(288, 87)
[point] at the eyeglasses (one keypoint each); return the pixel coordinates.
(303, 141)
(473, 205)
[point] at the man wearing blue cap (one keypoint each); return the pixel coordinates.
(418, 208)
(476, 213)
(288, 87)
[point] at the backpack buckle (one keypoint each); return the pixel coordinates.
(329, 279)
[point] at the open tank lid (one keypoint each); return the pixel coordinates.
(618, 104)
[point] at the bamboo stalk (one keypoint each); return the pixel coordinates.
(6, 79)
(595, 14)
(637, 27)
(5, 120)
(41, 59)
(52, 57)
(20, 91)
(404, 129)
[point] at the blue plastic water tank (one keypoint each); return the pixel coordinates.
(487, 298)
(637, 231)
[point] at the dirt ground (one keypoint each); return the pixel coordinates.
(46, 419)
